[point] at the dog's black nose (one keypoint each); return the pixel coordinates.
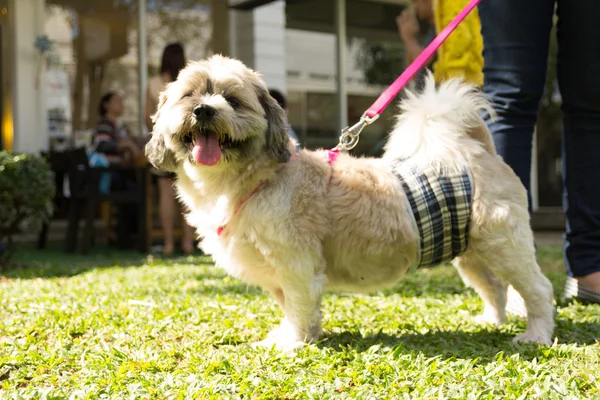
(204, 112)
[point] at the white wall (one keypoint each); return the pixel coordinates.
(260, 41)
(311, 64)
(291, 59)
(30, 126)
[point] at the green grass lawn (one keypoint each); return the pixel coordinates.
(90, 327)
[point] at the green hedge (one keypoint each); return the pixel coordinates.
(26, 197)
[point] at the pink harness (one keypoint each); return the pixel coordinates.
(332, 155)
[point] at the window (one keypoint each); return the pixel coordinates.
(96, 48)
(314, 117)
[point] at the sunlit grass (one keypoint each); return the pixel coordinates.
(179, 329)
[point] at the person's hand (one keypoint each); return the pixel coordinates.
(136, 152)
(133, 148)
(408, 26)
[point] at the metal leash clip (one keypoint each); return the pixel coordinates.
(350, 135)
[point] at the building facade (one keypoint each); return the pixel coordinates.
(98, 46)
(95, 48)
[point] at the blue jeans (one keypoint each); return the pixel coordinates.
(516, 38)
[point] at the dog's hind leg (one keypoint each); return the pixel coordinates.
(492, 290)
(513, 261)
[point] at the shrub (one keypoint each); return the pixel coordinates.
(26, 196)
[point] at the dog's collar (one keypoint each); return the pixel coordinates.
(241, 204)
(332, 155)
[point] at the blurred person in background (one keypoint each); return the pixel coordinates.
(110, 136)
(111, 140)
(173, 61)
(416, 28)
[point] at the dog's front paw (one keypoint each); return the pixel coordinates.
(284, 345)
(533, 337)
(282, 339)
(489, 318)
(285, 338)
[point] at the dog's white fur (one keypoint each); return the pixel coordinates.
(347, 226)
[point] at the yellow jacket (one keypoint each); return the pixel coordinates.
(460, 55)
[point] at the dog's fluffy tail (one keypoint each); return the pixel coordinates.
(441, 125)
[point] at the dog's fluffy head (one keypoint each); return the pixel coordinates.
(217, 112)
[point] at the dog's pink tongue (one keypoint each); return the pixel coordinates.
(206, 149)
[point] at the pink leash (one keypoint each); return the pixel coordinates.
(349, 137)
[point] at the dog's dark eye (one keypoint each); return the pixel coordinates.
(233, 102)
(189, 94)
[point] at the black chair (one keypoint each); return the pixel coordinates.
(86, 197)
(60, 164)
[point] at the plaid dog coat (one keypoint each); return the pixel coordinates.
(441, 204)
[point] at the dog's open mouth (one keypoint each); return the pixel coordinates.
(207, 146)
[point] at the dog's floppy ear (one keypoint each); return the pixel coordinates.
(162, 99)
(159, 155)
(277, 137)
(156, 150)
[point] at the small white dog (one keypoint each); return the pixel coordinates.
(298, 224)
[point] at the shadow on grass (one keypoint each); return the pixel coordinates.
(445, 280)
(30, 262)
(482, 346)
(582, 333)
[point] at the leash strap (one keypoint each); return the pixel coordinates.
(349, 137)
(386, 97)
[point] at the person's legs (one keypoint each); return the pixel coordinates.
(579, 81)
(187, 242)
(515, 50)
(124, 181)
(166, 205)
